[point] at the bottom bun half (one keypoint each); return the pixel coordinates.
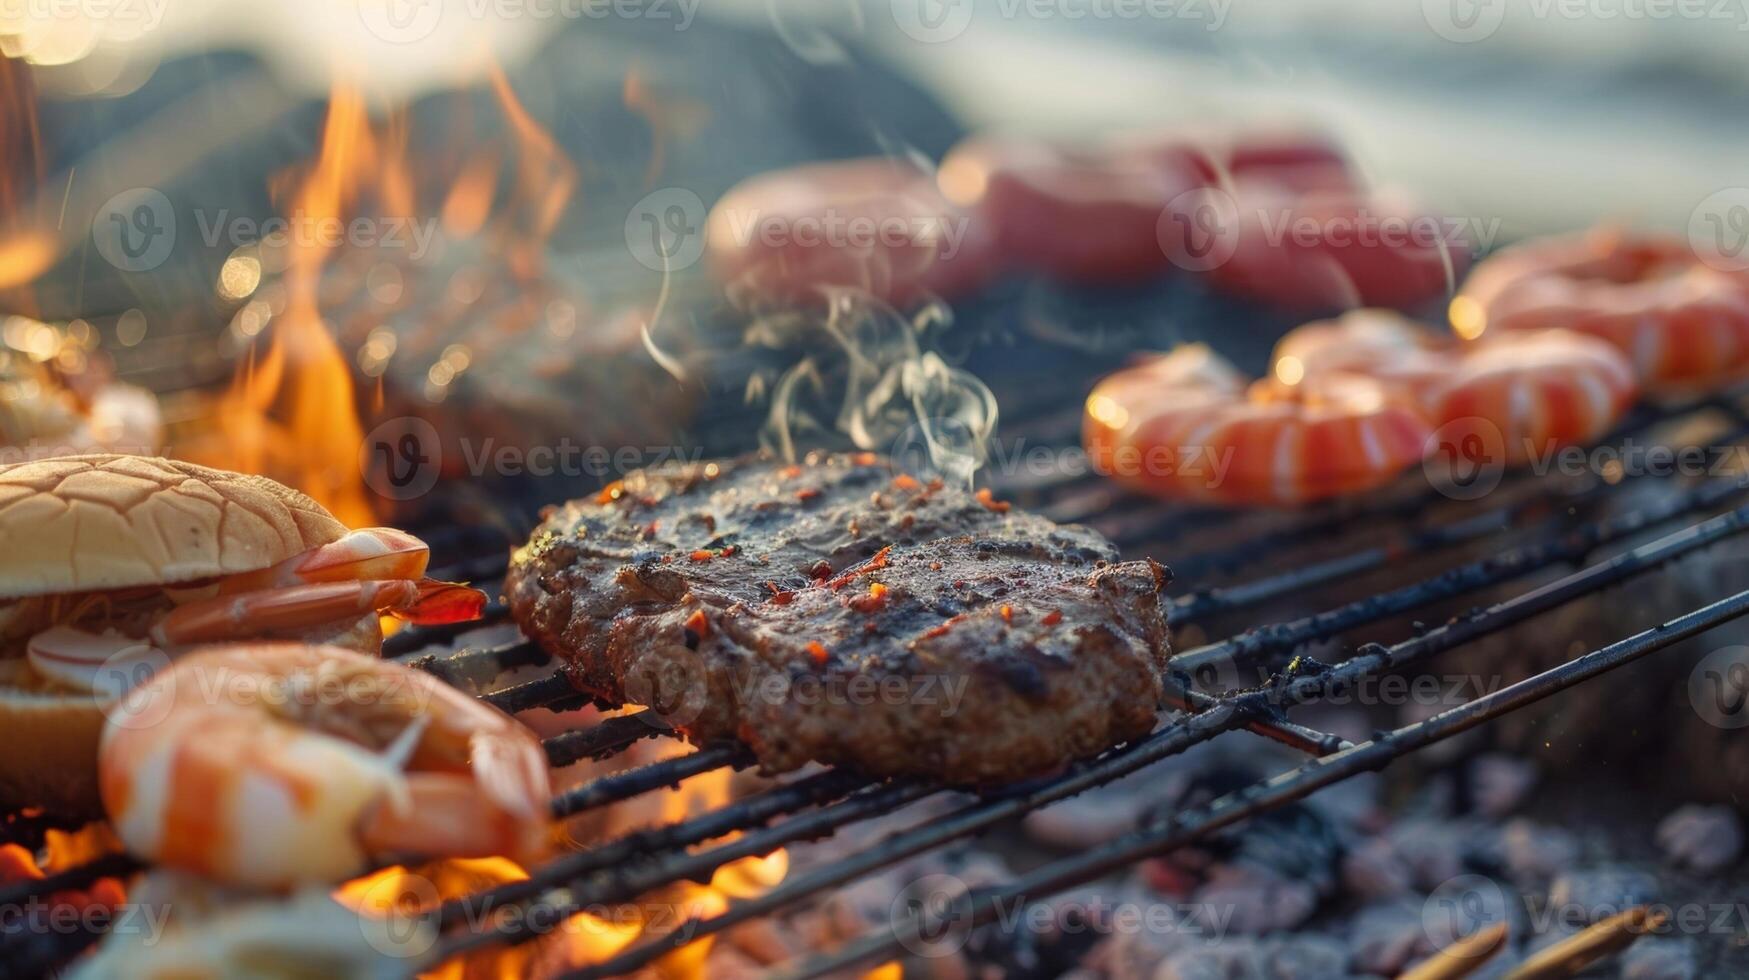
(48, 740)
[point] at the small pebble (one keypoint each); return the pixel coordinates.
(1533, 853)
(1600, 893)
(1308, 957)
(1702, 838)
(1233, 958)
(1388, 937)
(1254, 900)
(1498, 783)
(1654, 958)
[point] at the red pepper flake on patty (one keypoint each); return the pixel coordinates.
(808, 493)
(874, 602)
(703, 554)
(790, 472)
(1053, 617)
(990, 502)
(780, 596)
(699, 625)
(879, 561)
(865, 459)
(905, 481)
(1007, 612)
(943, 628)
(818, 652)
(610, 493)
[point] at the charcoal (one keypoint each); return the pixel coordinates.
(1655, 958)
(1702, 838)
(1256, 900)
(1530, 852)
(1601, 892)
(1498, 783)
(1229, 959)
(1374, 869)
(1389, 936)
(1308, 957)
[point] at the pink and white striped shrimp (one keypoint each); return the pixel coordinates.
(278, 764)
(1522, 393)
(1185, 425)
(1683, 322)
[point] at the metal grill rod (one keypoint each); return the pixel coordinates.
(1285, 788)
(1469, 577)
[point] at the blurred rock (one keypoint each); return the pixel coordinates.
(1702, 838)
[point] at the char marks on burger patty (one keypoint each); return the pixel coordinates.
(836, 611)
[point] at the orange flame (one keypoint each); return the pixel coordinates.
(418, 891)
(62, 850)
(292, 413)
(545, 178)
(27, 246)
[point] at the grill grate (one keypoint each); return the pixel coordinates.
(1558, 525)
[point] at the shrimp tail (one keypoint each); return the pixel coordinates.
(499, 808)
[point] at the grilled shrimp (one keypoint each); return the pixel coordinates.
(278, 764)
(1185, 425)
(1521, 393)
(1682, 322)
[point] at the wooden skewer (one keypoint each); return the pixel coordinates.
(1568, 957)
(1461, 958)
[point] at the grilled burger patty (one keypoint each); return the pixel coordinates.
(830, 611)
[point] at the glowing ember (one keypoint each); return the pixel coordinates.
(411, 893)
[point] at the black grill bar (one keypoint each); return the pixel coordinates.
(754, 811)
(616, 884)
(1515, 563)
(598, 741)
(636, 782)
(1285, 788)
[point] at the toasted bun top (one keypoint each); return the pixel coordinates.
(85, 523)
